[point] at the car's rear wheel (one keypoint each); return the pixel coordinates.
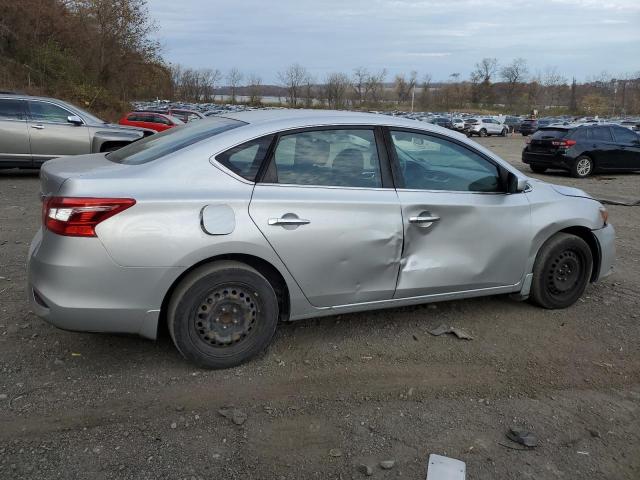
(538, 168)
(561, 272)
(222, 314)
(582, 167)
(483, 132)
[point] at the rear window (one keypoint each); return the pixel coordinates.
(528, 121)
(550, 133)
(170, 141)
(12, 109)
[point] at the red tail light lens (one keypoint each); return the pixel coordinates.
(79, 216)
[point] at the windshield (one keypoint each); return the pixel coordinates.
(172, 140)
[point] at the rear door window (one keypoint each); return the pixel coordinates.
(602, 134)
(12, 109)
(341, 157)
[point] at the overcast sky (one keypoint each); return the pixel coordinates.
(439, 37)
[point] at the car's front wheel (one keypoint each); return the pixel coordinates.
(561, 272)
(483, 132)
(222, 314)
(582, 167)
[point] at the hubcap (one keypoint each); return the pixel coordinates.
(564, 273)
(583, 167)
(226, 315)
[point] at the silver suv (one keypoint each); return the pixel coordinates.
(35, 129)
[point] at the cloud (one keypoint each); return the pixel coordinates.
(434, 36)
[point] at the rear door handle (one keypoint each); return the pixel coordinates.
(288, 221)
(422, 219)
(38, 127)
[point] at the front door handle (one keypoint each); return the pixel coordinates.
(288, 221)
(425, 219)
(38, 127)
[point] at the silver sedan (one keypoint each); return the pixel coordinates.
(225, 226)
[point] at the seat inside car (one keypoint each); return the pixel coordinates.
(348, 169)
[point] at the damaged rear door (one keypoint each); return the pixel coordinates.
(329, 211)
(462, 232)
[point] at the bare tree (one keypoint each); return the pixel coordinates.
(552, 81)
(403, 86)
(293, 78)
(375, 87)
(234, 78)
(255, 89)
(481, 77)
(336, 89)
(360, 83)
(513, 74)
(425, 93)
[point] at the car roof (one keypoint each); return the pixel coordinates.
(300, 118)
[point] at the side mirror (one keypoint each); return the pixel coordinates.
(515, 184)
(76, 120)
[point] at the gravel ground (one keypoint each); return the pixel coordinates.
(336, 393)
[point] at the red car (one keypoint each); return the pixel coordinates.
(151, 120)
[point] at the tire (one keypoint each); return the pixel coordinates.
(537, 168)
(503, 133)
(582, 167)
(469, 134)
(234, 291)
(561, 272)
(483, 132)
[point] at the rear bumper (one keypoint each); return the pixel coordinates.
(606, 238)
(551, 160)
(73, 284)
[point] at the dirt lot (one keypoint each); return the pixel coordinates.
(334, 393)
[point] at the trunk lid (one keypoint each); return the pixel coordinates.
(55, 172)
(546, 140)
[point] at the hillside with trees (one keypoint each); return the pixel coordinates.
(96, 53)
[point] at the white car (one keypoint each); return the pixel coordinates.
(484, 127)
(458, 124)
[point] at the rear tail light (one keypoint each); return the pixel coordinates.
(563, 143)
(79, 216)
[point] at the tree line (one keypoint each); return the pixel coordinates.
(101, 54)
(509, 87)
